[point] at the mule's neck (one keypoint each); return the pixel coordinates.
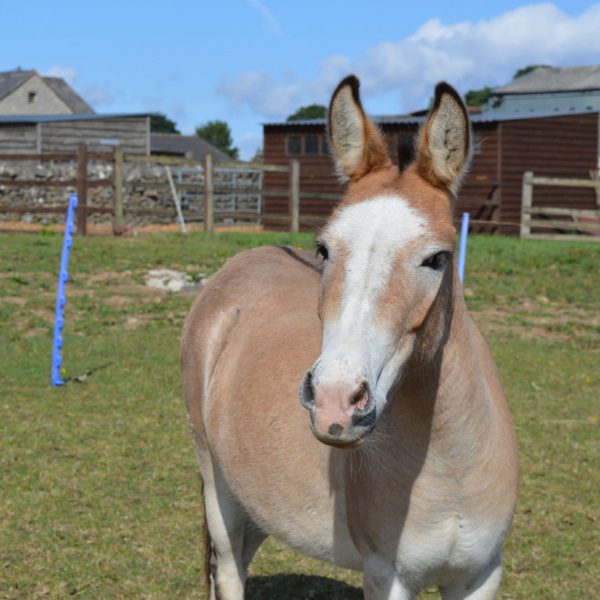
(448, 395)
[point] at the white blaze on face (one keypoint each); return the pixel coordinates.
(371, 233)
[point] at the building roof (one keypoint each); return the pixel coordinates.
(11, 80)
(189, 146)
(483, 117)
(34, 119)
(68, 95)
(544, 80)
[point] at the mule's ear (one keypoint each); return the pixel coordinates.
(355, 141)
(444, 147)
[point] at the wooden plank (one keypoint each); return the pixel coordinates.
(50, 209)
(584, 183)
(55, 157)
(53, 183)
(547, 224)
(259, 166)
(562, 237)
(33, 209)
(176, 160)
(321, 195)
(118, 176)
(209, 197)
(161, 160)
(294, 195)
(82, 160)
(526, 201)
(566, 212)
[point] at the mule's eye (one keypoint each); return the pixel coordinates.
(438, 261)
(322, 250)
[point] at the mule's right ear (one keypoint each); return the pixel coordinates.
(355, 141)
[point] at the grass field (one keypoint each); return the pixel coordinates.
(99, 492)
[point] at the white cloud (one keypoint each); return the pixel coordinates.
(271, 21)
(69, 74)
(96, 95)
(468, 55)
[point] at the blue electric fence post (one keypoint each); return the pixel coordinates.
(61, 299)
(462, 250)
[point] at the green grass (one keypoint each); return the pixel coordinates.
(99, 492)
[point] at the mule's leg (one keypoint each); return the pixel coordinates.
(484, 586)
(226, 526)
(253, 538)
(381, 581)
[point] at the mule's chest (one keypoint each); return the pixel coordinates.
(426, 528)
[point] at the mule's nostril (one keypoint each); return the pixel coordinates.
(306, 392)
(361, 398)
(336, 429)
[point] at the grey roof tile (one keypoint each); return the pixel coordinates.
(554, 79)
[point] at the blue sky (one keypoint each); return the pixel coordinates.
(253, 61)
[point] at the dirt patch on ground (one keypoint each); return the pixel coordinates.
(536, 320)
(15, 300)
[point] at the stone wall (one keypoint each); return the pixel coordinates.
(145, 186)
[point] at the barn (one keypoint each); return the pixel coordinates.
(555, 143)
(51, 134)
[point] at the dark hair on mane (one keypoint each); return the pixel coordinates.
(406, 151)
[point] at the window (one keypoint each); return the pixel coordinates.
(307, 145)
(31, 97)
(294, 146)
(477, 141)
(311, 145)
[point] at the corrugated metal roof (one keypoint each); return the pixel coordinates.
(190, 146)
(34, 119)
(554, 79)
(484, 117)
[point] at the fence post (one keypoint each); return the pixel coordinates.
(209, 196)
(595, 176)
(294, 195)
(82, 159)
(118, 178)
(526, 203)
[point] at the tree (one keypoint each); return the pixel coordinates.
(314, 111)
(478, 97)
(218, 134)
(526, 70)
(160, 123)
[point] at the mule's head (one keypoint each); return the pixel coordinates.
(388, 269)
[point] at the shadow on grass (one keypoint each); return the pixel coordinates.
(300, 587)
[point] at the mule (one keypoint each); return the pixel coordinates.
(405, 465)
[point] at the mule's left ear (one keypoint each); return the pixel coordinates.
(444, 147)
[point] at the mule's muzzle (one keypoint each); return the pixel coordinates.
(341, 414)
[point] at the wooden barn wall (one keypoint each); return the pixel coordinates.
(18, 139)
(317, 173)
(554, 147)
(66, 136)
(481, 183)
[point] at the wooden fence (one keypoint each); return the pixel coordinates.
(81, 184)
(209, 189)
(586, 222)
